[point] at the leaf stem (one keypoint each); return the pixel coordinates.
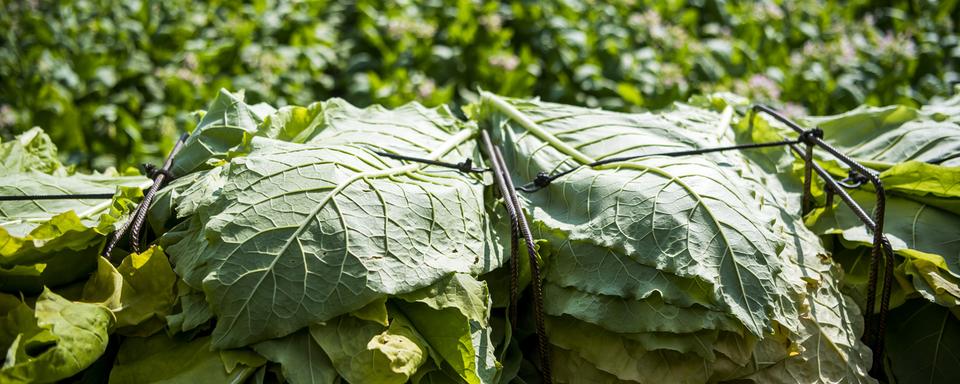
(82, 215)
(530, 125)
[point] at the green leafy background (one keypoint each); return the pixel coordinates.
(113, 81)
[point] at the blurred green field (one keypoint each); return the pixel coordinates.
(114, 81)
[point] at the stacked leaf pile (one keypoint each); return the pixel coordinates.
(290, 249)
(53, 334)
(696, 268)
(316, 253)
(917, 154)
(292, 242)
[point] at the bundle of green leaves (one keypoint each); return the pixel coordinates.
(59, 300)
(53, 242)
(293, 239)
(300, 255)
(916, 152)
(289, 249)
(696, 268)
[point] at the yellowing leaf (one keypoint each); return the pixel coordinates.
(141, 289)
(367, 352)
(57, 340)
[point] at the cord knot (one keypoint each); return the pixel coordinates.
(854, 180)
(543, 179)
(465, 166)
(153, 171)
(808, 135)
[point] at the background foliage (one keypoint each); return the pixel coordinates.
(112, 82)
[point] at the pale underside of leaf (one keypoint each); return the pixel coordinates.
(302, 233)
(689, 210)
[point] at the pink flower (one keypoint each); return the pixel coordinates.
(506, 61)
(794, 110)
(7, 118)
(492, 22)
(426, 88)
(762, 85)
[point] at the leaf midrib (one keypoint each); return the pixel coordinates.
(447, 146)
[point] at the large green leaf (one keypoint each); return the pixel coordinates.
(30, 151)
(682, 216)
(934, 185)
(300, 358)
(229, 121)
(224, 126)
(366, 352)
(575, 263)
(713, 233)
(827, 348)
(922, 214)
(140, 292)
(452, 316)
(193, 310)
(162, 359)
(336, 121)
(301, 233)
(53, 242)
(634, 316)
(909, 225)
(883, 136)
(915, 151)
(922, 199)
(626, 359)
(923, 344)
(571, 368)
(20, 218)
(56, 340)
(42, 241)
